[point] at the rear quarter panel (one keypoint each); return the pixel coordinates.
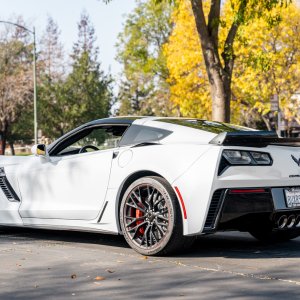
(174, 162)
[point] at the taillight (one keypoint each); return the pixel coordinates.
(243, 158)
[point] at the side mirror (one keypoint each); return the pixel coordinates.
(39, 150)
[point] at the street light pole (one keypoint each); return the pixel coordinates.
(35, 90)
(34, 76)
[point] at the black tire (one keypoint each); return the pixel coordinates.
(150, 218)
(270, 236)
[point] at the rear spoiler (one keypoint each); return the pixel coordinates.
(253, 139)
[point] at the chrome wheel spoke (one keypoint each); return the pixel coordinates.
(158, 201)
(136, 229)
(162, 224)
(139, 199)
(163, 211)
(160, 229)
(131, 205)
(162, 218)
(134, 220)
(135, 206)
(144, 238)
(154, 197)
(150, 235)
(148, 199)
(137, 226)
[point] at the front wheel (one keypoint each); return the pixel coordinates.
(151, 219)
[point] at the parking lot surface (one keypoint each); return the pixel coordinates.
(41, 264)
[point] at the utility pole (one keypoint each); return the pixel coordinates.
(35, 90)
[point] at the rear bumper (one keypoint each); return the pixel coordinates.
(249, 208)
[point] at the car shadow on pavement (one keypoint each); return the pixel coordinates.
(76, 237)
(241, 245)
(229, 244)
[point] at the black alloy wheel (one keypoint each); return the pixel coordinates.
(151, 219)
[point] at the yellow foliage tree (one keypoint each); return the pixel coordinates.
(188, 79)
(190, 89)
(267, 62)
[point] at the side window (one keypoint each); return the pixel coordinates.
(92, 139)
(137, 134)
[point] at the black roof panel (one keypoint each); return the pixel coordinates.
(115, 120)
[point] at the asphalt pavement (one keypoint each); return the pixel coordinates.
(41, 264)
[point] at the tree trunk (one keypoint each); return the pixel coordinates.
(221, 95)
(2, 143)
(219, 74)
(219, 77)
(220, 84)
(12, 148)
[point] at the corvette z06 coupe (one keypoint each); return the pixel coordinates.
(158, 181)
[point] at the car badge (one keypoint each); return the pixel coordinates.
(297, 161)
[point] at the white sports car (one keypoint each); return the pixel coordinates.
(158, 181)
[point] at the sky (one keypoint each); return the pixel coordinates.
(106, 18)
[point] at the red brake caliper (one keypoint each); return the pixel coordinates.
(138, 214)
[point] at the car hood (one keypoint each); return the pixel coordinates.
(12, 160)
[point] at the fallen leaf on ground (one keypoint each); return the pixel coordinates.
(73, 276)
(110, 271)
(99, 278)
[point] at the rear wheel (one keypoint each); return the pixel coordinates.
(150, 217)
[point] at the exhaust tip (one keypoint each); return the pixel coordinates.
(291, 221)
(281, 222)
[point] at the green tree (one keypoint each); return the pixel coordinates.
(52, 94)
(143, 88)
(87, 88)
(16, 89)
(67, 101)
(22, 129)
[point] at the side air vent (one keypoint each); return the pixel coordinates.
(7, 188)
(214, 209)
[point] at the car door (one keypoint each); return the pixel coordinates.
(68, 185)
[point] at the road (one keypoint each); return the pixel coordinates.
(41, 264)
